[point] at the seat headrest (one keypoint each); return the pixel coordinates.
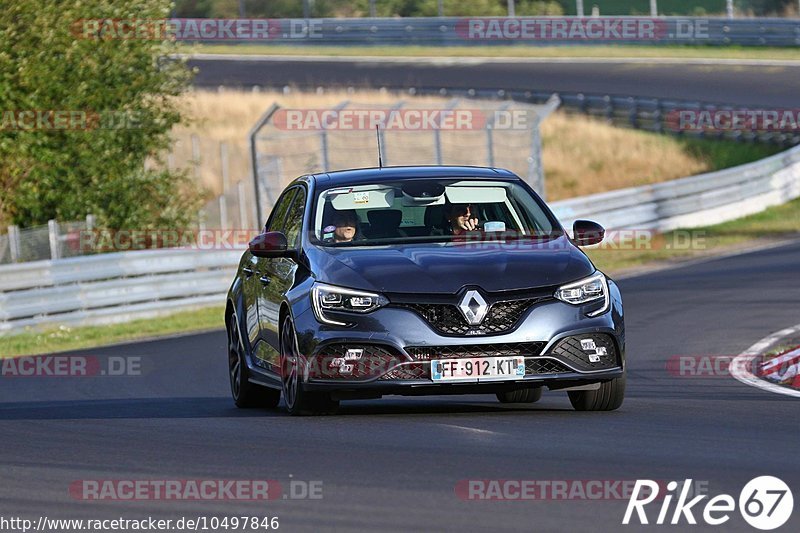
(385, 218)
(434, 216)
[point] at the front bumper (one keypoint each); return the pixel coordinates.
(389, 350)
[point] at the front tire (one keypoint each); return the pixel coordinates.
(299, 402)
(244, 393)
(531, 395)
(607, 398)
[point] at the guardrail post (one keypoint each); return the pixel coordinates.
(658, 114)
(633, 115)
(52, 231)
(13, 243)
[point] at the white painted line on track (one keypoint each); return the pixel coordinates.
(741, 364)
(432, 60)
(472, 430)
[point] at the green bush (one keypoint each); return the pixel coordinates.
(48, 64)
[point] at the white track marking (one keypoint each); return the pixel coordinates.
(494, 60)
(740, 366)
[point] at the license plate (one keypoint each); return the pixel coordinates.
(478, 369)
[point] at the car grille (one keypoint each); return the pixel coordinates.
(426, 353)
(447, 319)
(408, 371)
(545, 366)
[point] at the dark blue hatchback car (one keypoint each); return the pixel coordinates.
(421, 280)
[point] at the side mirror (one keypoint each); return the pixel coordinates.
(586, 232)
(269, 244)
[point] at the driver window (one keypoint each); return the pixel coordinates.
(275, 222)
(294, 220)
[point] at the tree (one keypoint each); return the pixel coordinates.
(51, 63)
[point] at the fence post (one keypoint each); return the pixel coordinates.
(382, 135)
(536, 169)
(52, 232)
(437, 136)
(13, 243)
(242, 206)
(201, 220)
(323, 143)
(223, 212)
(196, 155)
(223, 161)
(490, 134)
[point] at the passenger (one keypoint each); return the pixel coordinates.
(460, 218)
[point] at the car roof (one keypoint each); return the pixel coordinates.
(373, 175)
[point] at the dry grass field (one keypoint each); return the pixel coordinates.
(581, 155)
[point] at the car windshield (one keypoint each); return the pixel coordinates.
(420, 210)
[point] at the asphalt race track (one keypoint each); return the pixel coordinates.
(746, 85)
(394, 463)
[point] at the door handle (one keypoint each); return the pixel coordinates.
(248, 271)
(264, 279)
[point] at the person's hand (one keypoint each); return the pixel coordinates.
(468, 224)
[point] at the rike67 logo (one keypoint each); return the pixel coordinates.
(765, 503)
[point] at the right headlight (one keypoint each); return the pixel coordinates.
(593, 288)
(331, 298)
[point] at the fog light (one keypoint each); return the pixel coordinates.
(353, 354)
(588, 344)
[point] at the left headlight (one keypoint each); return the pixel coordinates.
(593, 288)
(331, 298)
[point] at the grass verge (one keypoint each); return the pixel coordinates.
(68, 338)
(775, 223)
(587, 52)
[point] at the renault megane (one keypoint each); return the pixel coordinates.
(421, 280)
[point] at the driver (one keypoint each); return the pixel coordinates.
(344, 227)
(460, 218)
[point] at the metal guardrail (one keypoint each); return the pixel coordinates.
(117, 287)
(695, 201)
(503, 31)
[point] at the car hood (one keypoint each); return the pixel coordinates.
(448, 267)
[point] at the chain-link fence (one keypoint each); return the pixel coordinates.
(287, 143)
(54, 240)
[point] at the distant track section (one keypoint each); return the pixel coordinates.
(747, 84)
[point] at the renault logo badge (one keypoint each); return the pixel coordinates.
(473, 307)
